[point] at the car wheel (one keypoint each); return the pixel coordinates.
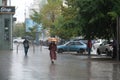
(98, 52)
(60, 51)
(81, 51)
(109, 53)
(15, 41)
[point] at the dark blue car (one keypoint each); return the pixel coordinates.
(73, 46)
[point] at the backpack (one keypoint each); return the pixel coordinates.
(26, 44)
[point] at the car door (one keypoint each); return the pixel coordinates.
(70, 46)
(103, 46)
(77, 46)
(73, 47)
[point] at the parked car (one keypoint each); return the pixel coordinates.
(106, 48)
(18, 40)
(73, 46)
(97, 43)
(83, 40)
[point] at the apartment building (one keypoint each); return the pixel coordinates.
(36, 5)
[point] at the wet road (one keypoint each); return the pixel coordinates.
(37, 66)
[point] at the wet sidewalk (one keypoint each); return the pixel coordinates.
(37, 66)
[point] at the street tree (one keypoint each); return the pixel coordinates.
(19, 30)
(98, 17)
(50, 12)
(36, 17)
(66, 25)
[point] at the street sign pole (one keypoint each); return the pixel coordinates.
(118, 38)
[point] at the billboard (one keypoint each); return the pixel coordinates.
(29, 23)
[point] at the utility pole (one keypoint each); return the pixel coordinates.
(9, 2)
(118, 38)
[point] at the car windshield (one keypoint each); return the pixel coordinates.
(70, 43)
(73, 43)
(107, 42)
(78, 43)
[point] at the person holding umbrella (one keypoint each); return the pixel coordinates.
(52, 49)
(26, 46)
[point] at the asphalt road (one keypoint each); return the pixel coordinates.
(37, 66)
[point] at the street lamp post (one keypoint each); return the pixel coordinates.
(9, 2)
(118, 38)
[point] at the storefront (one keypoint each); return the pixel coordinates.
(6, 27)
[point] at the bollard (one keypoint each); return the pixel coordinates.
(18, 46)
(33, 48)
(41, 45)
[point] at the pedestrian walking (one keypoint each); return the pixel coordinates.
(52, 48)
(89, 46)
(114, 56)
(26, 46)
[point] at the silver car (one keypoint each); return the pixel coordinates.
(105, 48)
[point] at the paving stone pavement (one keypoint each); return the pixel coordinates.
(37, 66)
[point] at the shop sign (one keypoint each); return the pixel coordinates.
(7, 9)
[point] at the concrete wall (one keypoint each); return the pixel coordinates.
(0, 2)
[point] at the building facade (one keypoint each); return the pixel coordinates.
(6, 25)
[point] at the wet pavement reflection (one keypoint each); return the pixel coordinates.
(37, 66)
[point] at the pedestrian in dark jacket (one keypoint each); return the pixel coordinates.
(26, 46)
(114, 49)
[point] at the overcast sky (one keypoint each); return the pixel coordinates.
(20, 6)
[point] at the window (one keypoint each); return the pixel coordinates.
(6, 29)
(78, 43)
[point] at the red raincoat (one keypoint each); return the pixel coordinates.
(53, 48)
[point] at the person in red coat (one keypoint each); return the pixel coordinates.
(89, 46)
(52, 48)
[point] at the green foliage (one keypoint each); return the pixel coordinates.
(113, 14)
(19, 30)
(62, 30)
(89, 18)
(50, 12)
(98, 17)
(70, 25)
(36, 17)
